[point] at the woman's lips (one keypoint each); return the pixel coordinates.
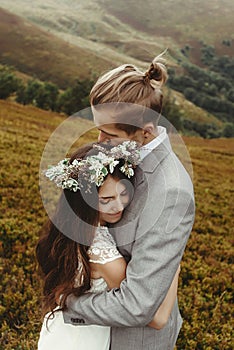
(116, 214)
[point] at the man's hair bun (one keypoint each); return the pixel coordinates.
(157, 70)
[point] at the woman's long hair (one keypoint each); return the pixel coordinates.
(63, 261)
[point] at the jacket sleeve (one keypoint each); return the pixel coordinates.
(156, 255)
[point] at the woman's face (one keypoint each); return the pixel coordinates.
(113, 198)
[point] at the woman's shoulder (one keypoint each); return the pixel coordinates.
(103, 249)
(103, 238)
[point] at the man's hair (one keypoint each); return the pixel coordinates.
(128, 84)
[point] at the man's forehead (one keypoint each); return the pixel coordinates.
(103, 116)
(118, 113)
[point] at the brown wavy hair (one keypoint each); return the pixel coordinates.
(58, 254)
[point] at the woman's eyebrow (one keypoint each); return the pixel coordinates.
(109, 197)
(106, 197)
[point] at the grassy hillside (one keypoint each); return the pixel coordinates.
(205, 282)
(136, 29)
(189, 110)
(43, 55)
(182, 22)
(83, 39)
(90, 27)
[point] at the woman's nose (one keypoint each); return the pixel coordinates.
(118, 205)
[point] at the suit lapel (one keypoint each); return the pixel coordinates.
(156, 156)
(147, 166)
(124, 231)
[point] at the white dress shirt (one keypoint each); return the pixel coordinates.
(146, 149)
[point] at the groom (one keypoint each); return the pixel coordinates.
(152, 234)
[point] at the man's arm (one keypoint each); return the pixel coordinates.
(114, 272)
(155, 258)
(162, 315)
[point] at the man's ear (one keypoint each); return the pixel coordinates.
(148, 129)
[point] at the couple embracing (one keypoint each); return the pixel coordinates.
(112, 283)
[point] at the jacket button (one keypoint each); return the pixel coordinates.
(77, 320)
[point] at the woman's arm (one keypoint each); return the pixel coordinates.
(162, 315)
(113, 272)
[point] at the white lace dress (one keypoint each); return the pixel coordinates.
(58, 335)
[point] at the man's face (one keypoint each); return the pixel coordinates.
(109, 131)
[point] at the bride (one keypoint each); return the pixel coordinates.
(97, 185)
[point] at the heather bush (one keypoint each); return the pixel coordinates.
(205, 288)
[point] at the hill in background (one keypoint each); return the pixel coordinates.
(43, 55)
(68, 40)
(137, 29)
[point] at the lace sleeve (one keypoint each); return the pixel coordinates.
(103, 248)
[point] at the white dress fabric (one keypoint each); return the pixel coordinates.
(57, 335)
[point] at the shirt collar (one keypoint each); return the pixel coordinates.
(149, 147)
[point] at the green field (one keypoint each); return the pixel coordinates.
(205, 291)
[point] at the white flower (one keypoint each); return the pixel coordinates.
(94, 168)
(127, 170)
(71, 184)
(112, 165)
(103, 158)
(75, 163)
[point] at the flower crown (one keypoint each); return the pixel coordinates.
(94, 168)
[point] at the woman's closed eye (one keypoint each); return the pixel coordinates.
(124, 193)
(106, 200)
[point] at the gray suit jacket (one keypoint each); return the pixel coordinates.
(151, 236)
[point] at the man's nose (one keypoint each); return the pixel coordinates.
(102, 137)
